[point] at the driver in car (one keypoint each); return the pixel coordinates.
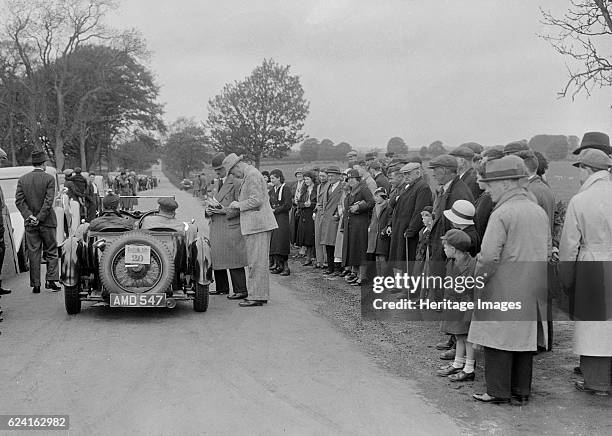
(165, 218)
(109, 215)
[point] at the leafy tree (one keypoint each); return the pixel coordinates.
(309, 150)
(582, 35)
(423, 151)
(397, 145)
(342, 149)
(186, 149)
(261, 116)
(138, 153)
(436, 148)
(554, 147)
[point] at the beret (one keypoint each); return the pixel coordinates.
(444, 160)
(167, 203)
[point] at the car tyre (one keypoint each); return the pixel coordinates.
(200, 300)
(72, 300)
(136, 237)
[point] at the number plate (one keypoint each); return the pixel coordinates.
(137, 254)
(138, 300)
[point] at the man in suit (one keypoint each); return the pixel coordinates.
(465, 169)
(34, 199)
(227, 246)
(318, 220)
(256, 224)
(330, 217)
(379, 177)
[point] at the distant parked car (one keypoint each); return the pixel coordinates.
(186, 184)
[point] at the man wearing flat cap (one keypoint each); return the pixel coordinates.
(513, 262)
(256, 223)
(165, 218)
(330, 216)
(34, 199)
(110, 217)
(405, 222)
(586, 257)
(515, 147)
(465, 169)
(227, 246)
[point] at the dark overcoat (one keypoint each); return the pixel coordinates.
(406, 220)
(456, 191)
(355, 225)
(378, 240)
(281, 206)
(305, 222)
(456, 322)
(34, 196)
(227, 246)
(484, 207)
(469, 178)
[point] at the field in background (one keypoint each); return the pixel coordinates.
(561, 175)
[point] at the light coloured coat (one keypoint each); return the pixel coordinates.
(513, 261)
(227, 246)
(256, 214)
(330, 215)
(587, 237)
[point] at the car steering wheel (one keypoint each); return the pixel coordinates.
(146, 214)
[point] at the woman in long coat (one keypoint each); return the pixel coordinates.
(280, 200)
(358, 205)
(305, 225)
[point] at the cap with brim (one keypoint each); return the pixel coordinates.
(458, 239)
(332, 170)
(167, 203)
(353, 174)
(595, 140)
(39, 157)
(230, 161)
(411, 166)
(507, 168)
(444, 160)
(595, 159)
(463, 152)
(462, 212)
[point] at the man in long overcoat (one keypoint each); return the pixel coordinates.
(585, 269)
(256, 224)
(405, 222)
(227, 247)
(513, 265)
(330, 217)
(465, 169)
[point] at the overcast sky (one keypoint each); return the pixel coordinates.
(458, 71)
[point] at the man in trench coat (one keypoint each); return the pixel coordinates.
(513, 264)
(585, 267)
(227, 247)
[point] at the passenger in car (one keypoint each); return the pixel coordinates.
(165, 218)
(110, 216)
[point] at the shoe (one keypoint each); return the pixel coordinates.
(252, 303)
(448, 354)
(577, 370)
(462, 376)
(285, 272)
(328, 273)
(449, 370)
(359, 282)
(4, 291)
(36, 290)
(50, 284)
(581, 387)
(215, 292)
(520, 399)
(276, 270)
(486, 398)
(238, 296)
(352, 279)
(307, 263)
(345, 273)
(446, 345)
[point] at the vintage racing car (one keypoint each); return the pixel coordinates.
(132, 267)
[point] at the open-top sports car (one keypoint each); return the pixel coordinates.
(127, 266)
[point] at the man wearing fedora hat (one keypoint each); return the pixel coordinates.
(256, 224)
(595, 140)
(513, 264)
(585, 255)
(34, 199)
(227, 246)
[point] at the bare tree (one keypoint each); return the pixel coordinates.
(583, 35)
